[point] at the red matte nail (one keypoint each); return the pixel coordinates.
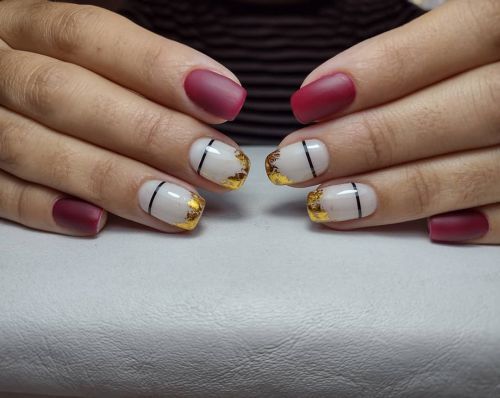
(215, 93)
(323, 97)
(78, 216)
(458, 226)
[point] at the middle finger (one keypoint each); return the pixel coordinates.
(78, 102)
(455, 115)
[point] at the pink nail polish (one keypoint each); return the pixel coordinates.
(78, 216)
(458, 226)
(215, 93)
(323, 97)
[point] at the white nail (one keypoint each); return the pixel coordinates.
(171, 203)
(219, 162)
(341, 202)
(297, 162)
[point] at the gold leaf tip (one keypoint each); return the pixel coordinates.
(237, 180)
(316, 212)
(196, 205)
(273, 173)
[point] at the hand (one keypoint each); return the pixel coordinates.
(416, 130)
(98, 114)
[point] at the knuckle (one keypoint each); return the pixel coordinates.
(23, 204)
(42, 86)
(72, 24)
(490, 85)
(424, 189)
(153, 61)
(484, 16)
(396, 60)
(379, 140)
(12, 136)
(102, 175)
(151, 128)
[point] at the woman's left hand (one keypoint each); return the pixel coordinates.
(416, 131)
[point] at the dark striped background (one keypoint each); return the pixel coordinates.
(271, 48)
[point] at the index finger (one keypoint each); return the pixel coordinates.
(163, 70)
(458, 36)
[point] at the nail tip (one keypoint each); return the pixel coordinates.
(273, 173)
(196, 207)
(314, 209)
(237, 180)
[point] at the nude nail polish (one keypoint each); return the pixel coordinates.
(298, 162)
(219, 162)
(214, 93)
(171, 203)
(78, 216)
(458, 226)
(323, 97)
(341, 202)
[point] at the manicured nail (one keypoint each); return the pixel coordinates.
(458, 226)
(297, 162)
(341, 202)
(78, 216)
(171, 203)
(215, 93)
(219, 162)
(323, 97)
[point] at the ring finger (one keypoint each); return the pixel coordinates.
(409, 192)
(113, 182)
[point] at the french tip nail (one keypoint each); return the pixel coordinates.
(297, 162)
(171, 203)
(219, 162)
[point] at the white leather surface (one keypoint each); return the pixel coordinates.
(257, 303)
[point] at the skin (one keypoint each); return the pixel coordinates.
(423, 130)
(94, 116)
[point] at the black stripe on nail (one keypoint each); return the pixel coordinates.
(204, 155)
(309, 159)
(360, 213)
(154, 196)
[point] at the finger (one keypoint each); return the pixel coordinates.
(78, 102)
(167, 72)
(478, 225)
(113, 182)
(458, 114)
(456, 37)
(409, 192)
(45, 209)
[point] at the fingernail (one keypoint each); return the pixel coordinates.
(219, 162)
(323, 97)
(78, 216)
(341, 202)
(458, 226)
(214, 93)
(171, 203)
(297, 162)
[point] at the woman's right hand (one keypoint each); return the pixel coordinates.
(98, 114)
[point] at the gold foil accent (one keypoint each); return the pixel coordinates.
(316, 212)
(237, 180)
(196, 206)
(273, 172)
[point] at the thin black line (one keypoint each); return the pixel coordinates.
(360, 213)
(153, 196)
(309, 159)
(204, 155)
